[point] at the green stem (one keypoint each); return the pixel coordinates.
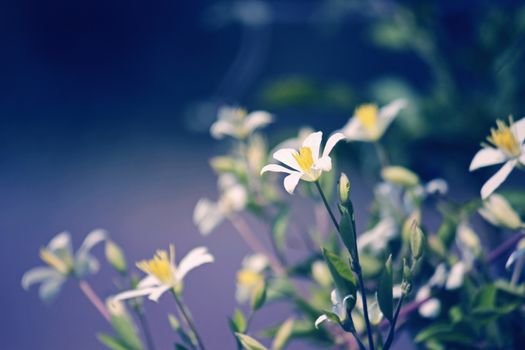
(145, 327)
(381, 154)
(185, 314)
(357, 268)
(392, 330)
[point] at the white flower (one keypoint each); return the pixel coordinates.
(250, 276)
(430, 308)
(163, 274)
(456, 276)
(378, 237)
(498, 211)
(468, 243)
(305, 164)
(62, 263)
(506, 146)
(237, 123)
(208, 214)
(339, 306)
(369, 122)
(297, 141)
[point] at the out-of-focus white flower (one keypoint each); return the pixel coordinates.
(339, 306)
(430, 308)
(378, 237)
(163, 274)
(62, 263)
(516, 254)
(305, 164)
(468, 243)
(400, 176)
(505, 146)
(456, 276)
(237, 123)
(436, 186)
(369, 122)
(374, 312)
(321, 273)
(208, 214)
(250, 276)
(498, 211)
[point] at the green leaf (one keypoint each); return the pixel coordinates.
(279, 227)
(447, 231)
(384, 291)
(283, 335)
(111, 342)
(238, 322)
(126, 331)
(249, 343)
(180, 347)
(258, 296)
(344, 278)
(347, 228)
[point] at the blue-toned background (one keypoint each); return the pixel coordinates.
(105, 105)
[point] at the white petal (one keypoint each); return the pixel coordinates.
(93, 238)
(324, 164)
(320, 320)
(196, 257)
(62, 241)
(313, 141)
(455, 277)
(257, 119)
(148, 281)
(522, 157)
(519, 130)
(354, 131)
(207, 216)
(332, 141)
(37, 275)
(291, 181)
(431, 308)
(285, 156)
(221, 128)
(134, 293)
(50, 288)
(497, 179)
(157, 293)
(276, 168)
(513, 257)
(388, 113)
(487, 156)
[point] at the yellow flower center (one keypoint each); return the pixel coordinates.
(239, 113)
(504, 139)
(304, 159)
(52, 260)
(367, 115)
(249, 279)
(159, 266)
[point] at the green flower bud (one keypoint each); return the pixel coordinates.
(344, 188)
(115, 256)
(416, 241)
(400, 176)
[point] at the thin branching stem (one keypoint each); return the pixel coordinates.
(189, 321)
(390, 336)
(92, 296)
(145, 327)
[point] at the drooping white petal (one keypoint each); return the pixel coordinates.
(37, 275)
(257, 119)
(62, 243)
(354, 131)
(389, 112)
(324, 164)
(276, 168)
(519, 130)
(134, 293)
(320, 320)
(207, 216)
(331, 142)
(157, 293)
(291, 181)
(313, 141)
(497, 179)
(221, 128)
(50, 288)
(92, 239)
(148, 281)
(285, 156)
(513, 257)
(196, 257)
(487, 156)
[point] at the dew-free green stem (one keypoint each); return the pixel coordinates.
(185, 314)
(94, 299)
(390, 336)
(357, 268)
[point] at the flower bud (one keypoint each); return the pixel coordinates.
(498, 211)
(344, 188)
(115, 256)
(400, 176)
(416, 241)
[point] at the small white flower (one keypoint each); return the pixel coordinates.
(163, 274)
(377, 238)
(498, 211)
(62, 263)
(208, 214)
(250, 276)
(505, 146)
(305, 164)
(369, 122)
(430, 308)
(468, 243)
(456, 276)
(237, 123)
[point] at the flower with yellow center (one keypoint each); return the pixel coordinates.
(163, 275)
(63, 263)
(370, 122)
(506, 146)
(237, 123)
(250, 276)
(306, 163)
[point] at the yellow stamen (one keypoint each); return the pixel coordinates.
(159, 266)
(52, 260)
(504, 139)
(304, 159)
(367, 115)
(240, 113)
(247, 278)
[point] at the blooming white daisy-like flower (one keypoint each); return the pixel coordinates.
(208, 214)
(506, 145)
(305, 164)
(237, 123)
(369, 122)
(63, 263)
(498, 211)
(163, 274)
